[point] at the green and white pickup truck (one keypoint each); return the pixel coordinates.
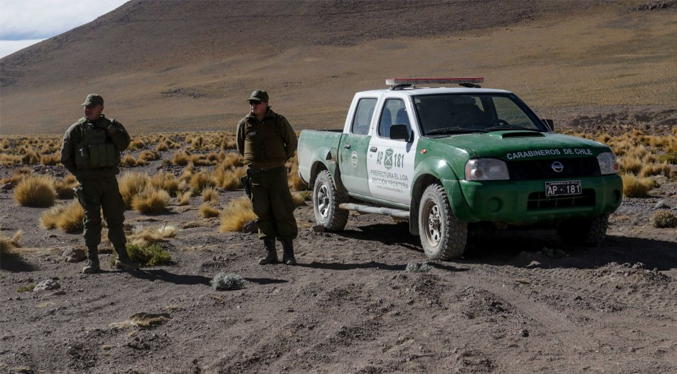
(447, 158)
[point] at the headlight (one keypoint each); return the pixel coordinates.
(607, 163)
(486, 169)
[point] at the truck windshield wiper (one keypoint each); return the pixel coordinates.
(452, 130)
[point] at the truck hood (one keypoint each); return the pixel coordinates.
(520, 145)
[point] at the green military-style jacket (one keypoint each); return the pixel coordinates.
(79, 146)
(267, 143)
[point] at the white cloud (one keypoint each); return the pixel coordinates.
(35, 20)
(7, 47)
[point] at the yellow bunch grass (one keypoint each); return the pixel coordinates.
(229, 179)
(149, 235)
(151, 201)
(210, 196)
(165, 181)
(636, 187)
(236, 214)
(7, 245)
(200, 181)
(35, 191)
(68, 217)
(184, 198)
(64, 187)
(208, 211)
(131, 184)
(149, 155)
(50, 159)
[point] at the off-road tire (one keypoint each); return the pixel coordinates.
(326, 200)
(443, 236)
(584, 232)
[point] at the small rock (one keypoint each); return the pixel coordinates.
(661, 205)
(74, 254)
(524, 333)
(317, 228)
(47, 285)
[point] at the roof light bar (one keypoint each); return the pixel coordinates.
(409, 81)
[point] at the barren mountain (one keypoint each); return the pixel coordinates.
(188, 65)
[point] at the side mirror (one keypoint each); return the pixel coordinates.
(399, 132)
(549, 123)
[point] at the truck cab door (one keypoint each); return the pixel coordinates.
(353, 148)
(392, 154)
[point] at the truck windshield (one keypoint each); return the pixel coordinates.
(461, 113)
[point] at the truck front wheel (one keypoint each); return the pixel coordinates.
(326, 202)
(443, 236)
(584, 232)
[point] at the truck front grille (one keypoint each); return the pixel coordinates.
(543, 169)
(538, 200)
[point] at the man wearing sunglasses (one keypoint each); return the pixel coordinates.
(267, 141)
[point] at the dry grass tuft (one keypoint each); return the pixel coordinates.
(636, 187)
(200, 181)
(165, 181)
(210, 196)
(229, 179)
(184, 198)
(36, 191)
(149, 156)
(208, 211)
(51, 160)
(151, 201)
(236, 214)
(131, 184)
(7, 245)
(64, 187)
(67, 217)
(663, 219)
(145, 236)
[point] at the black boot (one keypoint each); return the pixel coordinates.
(124, 262)
(288, 256)
(92, 265)
(271, 252)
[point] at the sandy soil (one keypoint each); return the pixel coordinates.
(520, 301)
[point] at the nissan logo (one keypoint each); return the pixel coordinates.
(557, 167)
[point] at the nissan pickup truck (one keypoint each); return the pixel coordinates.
(450, 158)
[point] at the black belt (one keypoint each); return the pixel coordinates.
(251, 171)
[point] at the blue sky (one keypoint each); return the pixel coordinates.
(26, 22)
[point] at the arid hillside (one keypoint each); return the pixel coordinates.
(169, 65)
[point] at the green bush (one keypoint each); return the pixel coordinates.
(146, 256)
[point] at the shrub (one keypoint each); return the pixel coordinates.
(210, 195)
(200, 181)
(149, 156)
(146, 236)
(36, 191)
(224, 282)
(131, 184)
(180, 158)
(636, 187)
(67, 217)
(136, 144)
(7, 244)
(236, 214)
(663, 219)
(128, 161)
(184, 198)
(146, 256)
(208, 211)
(165, 181)
(64, 187)
(53, 159)
(229, 179)
(151, 201)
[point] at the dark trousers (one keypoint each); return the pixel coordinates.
(273, 204)
(103, 194)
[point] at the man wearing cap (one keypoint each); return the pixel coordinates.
(267, 141)
(91, 151)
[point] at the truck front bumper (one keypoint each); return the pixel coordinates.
(525, 202)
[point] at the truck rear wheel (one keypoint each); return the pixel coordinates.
(584, 232)
(326, 202)
(443, 236)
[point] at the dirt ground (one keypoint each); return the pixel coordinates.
(520, 301)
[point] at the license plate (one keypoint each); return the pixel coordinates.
(563, 188)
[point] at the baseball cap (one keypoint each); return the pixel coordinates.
(93, 100)
(258, 95)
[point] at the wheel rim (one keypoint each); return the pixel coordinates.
(323, 201)
(433, 232)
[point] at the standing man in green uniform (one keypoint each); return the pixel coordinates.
(267, 141)
(91, 151)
